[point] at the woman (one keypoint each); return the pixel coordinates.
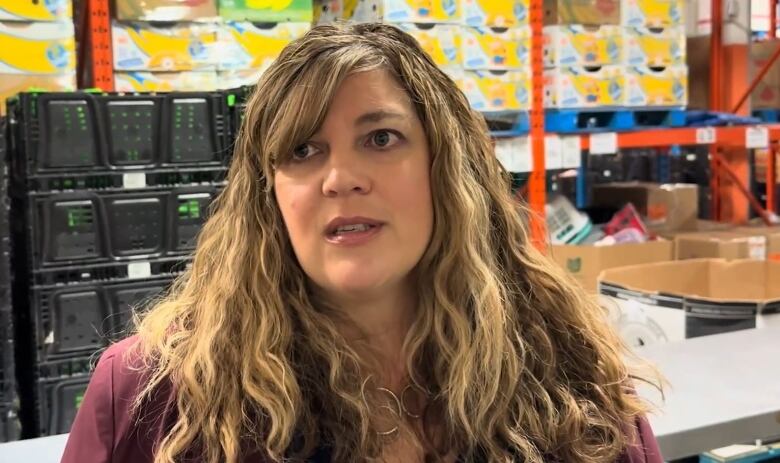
(364, 290)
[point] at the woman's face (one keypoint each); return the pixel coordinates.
(356, 197)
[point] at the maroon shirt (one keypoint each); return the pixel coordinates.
(104, 431)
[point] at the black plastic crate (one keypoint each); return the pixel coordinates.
(60, 389)
(7, 351)
(83, 318)
(92, 227)
(10, 428)
(110, 271)
(86, 140)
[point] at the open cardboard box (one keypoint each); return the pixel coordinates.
(585, 262)
(664, 207)
(673, 301)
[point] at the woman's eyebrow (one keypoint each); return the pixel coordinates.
(378, 116)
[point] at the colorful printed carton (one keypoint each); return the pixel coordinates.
(440, 41)
(497, 90)
(11, 84)
(402, 11)
(585, 12)
(40, 48)
(244, 45)
(36, 10)
(653, 13)
(653, 47)
(582, 45)
(579, 87)
(657, 87)
(183, 47)
(267, 10)
(492, 13)
(165, 81)
(486, 48)
(166, 10)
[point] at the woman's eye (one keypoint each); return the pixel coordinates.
(383, 139)
(302, 152)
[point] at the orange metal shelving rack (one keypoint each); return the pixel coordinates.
(98, 36)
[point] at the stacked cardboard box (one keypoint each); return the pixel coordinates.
(37, 47)
(163, 45)
(613, 53)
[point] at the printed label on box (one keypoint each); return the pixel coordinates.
(508, 13)
(488, 91)
(402, 11)
(166, 10)
(440, 41)
(650, 47)
(578, 87)
(43, 48)
(653, 13)
(244, 45)
(165, 81)
(267, 11)
(485, 48)
(648, 87)
(139, 47)
(42, 10)
(582, 46)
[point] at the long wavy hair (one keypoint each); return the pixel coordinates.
(518, 361)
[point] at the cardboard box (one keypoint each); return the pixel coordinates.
(767, 94)
(165, 81)
(577, 45)
(244, 45)
(234, 79)
(647, 86)
(699, 226)
(720, 244)
(270, 11)
(182, 47)
(497, 90)
(11, 84)
(587, 12)
(485, 48)
(403, 11)
(653, 13)
(653, 47)
(440, 41)
(36, 10)
(493, 13)
(673, 301)
(166, 10)
(664, 207)
(580, 87)
(40, 48)
(586, 262)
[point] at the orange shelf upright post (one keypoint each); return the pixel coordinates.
(101, 61)
(716, 73)
(537, 188)
(771, 178)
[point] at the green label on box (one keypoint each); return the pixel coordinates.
(271, 11)
(574, 265)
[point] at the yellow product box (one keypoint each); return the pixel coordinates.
(43, 48)
(402, 11)
(328, 11)
(36, 10)
(493, 13)
(588, 12)
(181, 47)
(653, 13)
(440, 41)
(497, 90)
(487, 48)
(577, 45)
(166, 10)
(11, 84)
(245, 45)
(654, 47)
(580, 87)
(184, 81)
(238, 78)
(657, 87)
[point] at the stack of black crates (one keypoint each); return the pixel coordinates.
(108, 194)
(9, 403)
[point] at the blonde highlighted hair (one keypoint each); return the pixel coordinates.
(518, 361)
